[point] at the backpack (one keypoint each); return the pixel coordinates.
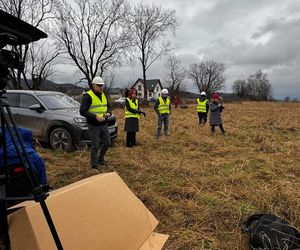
(268, 231)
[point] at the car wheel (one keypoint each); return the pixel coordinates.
(60, 138)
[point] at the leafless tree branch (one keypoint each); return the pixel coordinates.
(37, 13)
(149, 25)
(174, 75)
(94, 34)
(208, 76)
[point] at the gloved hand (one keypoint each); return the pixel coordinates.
(143, 113)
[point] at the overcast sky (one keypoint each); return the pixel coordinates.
(246, 35)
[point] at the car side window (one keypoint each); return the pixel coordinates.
(27, 100)
(12, 99)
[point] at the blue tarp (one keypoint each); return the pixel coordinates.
(37, 162)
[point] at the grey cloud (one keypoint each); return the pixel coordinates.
(276, 24)
(272, 25)
(245, 35)
(282, 48)
(285, 81)
(187, 58)
(66, 73)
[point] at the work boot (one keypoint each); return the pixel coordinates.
(95, 167)
(103, 163)
(166, 132)
(158, 133)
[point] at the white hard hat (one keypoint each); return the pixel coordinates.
(164, 91)
(98, 81)
(203, 93)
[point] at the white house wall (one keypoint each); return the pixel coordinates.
(140, 89)
(139, 86)
(157, 91)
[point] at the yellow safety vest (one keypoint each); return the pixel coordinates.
(201, 106)
(164, 107)
(97, 107)
(134, 106)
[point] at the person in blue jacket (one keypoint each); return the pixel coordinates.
(12, 157)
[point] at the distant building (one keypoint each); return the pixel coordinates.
(153, 87)
(115, 93)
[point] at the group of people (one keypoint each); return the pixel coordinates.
(97, 110)
(215, 107)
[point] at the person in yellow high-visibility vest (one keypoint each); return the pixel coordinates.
(202, 108)
(132, 116)
(162, 107)
(96, 109)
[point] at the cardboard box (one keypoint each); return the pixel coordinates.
(99, 212)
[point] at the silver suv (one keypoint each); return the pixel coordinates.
(53, 117)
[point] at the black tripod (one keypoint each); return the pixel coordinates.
(8, 125)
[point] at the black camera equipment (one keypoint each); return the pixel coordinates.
(14, 31)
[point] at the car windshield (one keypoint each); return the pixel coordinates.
(59, 101)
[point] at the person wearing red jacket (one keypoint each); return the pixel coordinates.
(176, 101)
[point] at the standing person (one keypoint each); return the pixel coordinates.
(162, 107)
(96, 109)
(202, 108)
(176, 101)
(216, 108)
(132, 116)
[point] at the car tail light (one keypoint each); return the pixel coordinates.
(18, 170)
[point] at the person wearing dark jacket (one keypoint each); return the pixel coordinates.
(162, 107)
(202, 108)
(96, 109)
(132, 116)
(216, 108)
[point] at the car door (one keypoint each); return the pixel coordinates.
(12, 100)
(31, 119)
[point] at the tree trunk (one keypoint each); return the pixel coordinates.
(19, 80)
(144, 79)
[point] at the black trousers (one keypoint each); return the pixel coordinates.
(100, 142)
(202, 117)
(130, 139)
(220, 126)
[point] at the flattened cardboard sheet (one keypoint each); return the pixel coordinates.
(99, 212)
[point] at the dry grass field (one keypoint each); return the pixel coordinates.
(202, 186)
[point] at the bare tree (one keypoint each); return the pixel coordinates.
(39, 65)
(259, 87)
(36, 12)
(175, 75)
(94, 34)
(150, 24)
(239, 88)
(110, 81)
(208, 76)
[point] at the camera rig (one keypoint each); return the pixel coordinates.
(14, 32)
